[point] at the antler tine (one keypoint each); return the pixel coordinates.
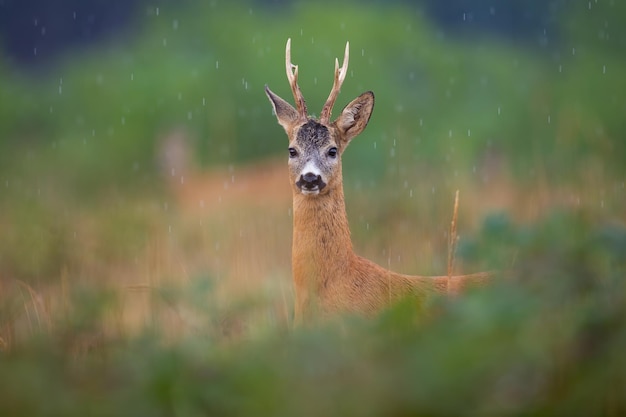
(340, 75)
(292, 76)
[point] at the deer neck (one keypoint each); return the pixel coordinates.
(322, 248)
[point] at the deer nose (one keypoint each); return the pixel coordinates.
(310, 180)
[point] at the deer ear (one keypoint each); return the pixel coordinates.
(354, 117)
(285, 113)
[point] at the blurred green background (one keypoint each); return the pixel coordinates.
(444, 95)
(522, 106)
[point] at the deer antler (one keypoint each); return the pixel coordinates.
(292, 76)
(340, 75)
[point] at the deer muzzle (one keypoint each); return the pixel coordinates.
(310, 183)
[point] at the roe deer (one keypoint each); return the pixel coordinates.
(328, 276)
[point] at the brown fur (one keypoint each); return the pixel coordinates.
(328, 276)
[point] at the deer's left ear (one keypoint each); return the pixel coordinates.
(354, 117)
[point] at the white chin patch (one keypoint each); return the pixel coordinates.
(310, 192)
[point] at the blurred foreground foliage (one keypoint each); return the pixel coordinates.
(547, 338)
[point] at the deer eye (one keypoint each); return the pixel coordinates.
(293, 153)
(332, 152)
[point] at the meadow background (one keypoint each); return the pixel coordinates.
(145, 218)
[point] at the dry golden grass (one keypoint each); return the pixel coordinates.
(230, 229)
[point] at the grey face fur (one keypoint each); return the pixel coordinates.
(313, 158)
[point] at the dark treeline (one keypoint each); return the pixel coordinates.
(33, 32)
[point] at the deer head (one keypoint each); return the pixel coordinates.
(316, 145)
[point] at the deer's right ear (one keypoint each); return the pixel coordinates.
(285, 113)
